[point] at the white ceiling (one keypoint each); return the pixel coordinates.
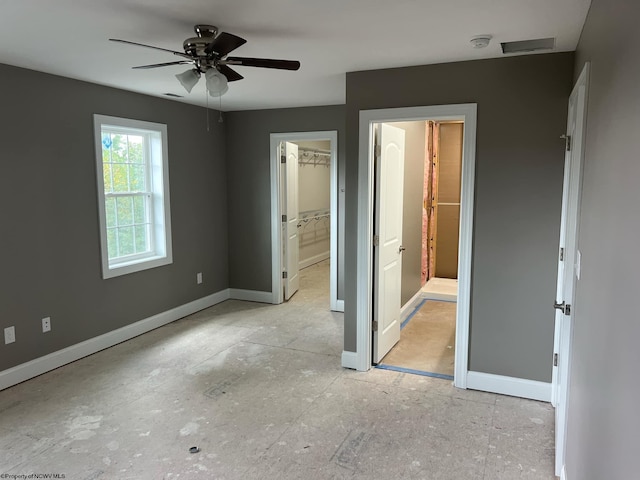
(329, 37)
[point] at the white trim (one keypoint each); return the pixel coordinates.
(563, 473)
(410, 306)
(307, 262)
(276, 212)
(349, 360)
(515, 387)
(250, 295)
(160, 208)
(339, 306)
(38, 366)
(364, 281)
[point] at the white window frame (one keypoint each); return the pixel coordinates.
(158, 178)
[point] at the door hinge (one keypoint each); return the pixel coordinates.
(375, 325)
(563, 307)
(562, 254)
(567, 142)
(284, 274)
(555, 359)
(376, 240)
(284, 219)
(378, 150)
(283, 159)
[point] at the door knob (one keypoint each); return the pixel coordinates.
(401, 249)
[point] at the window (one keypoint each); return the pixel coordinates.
(133, 195)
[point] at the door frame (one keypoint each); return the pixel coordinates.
(277, 208)
(560, 389)
(364, 280)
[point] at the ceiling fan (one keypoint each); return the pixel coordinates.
(208, 53)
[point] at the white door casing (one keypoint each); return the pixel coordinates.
(388, 252)
(291, 245)
(576, 125)
(278, 234)
(362, 357)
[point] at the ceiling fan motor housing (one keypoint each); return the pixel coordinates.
(207, 31)
(196, 45)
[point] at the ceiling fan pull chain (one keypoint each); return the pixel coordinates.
(206, 94)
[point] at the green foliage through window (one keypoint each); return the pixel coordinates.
(125, 167)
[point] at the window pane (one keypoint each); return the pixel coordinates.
(112, 244)
(125, 211)
(136, 178)
(136, 149)
(106, 148)
(125, 240)
(110, 212)
(120, 181)
(139, 210)
(106, 175)
(141, 239)
(119, 148)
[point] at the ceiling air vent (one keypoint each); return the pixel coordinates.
(528, 45)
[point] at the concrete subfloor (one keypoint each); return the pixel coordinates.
(260, 391)
(427, 342)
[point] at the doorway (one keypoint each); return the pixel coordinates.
(367, 275)
(429, 261)
(304, 210)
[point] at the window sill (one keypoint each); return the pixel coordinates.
(124, 268)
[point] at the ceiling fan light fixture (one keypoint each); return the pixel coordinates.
(216, 82)
(188, 79)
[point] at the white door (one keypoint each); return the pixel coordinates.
(290, 255)
(569, 261)
(388, 231)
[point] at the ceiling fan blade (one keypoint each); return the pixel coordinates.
(168, 64)
(263, 63)
(224, 43)
(180, 54)
(230, 73)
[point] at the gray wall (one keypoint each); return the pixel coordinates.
(414, 143)
(522, 109)
(50, 255)
(249, 186)
(604, 421)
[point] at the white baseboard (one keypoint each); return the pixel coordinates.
(563, 473)
(338, 306)
(38, 366)
(516, 387)
(251, 295)
(307, 262)
(349, 360)
(410, 306)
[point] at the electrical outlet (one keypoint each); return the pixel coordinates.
(9, 335)
(199, 278)
(46, 324)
